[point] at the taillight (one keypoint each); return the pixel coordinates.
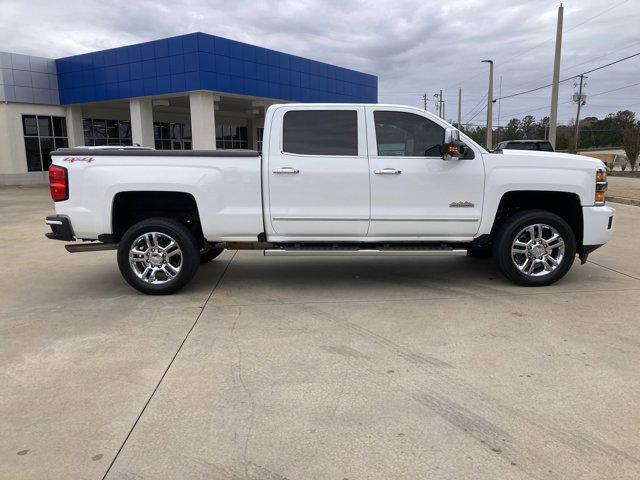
(58, 183)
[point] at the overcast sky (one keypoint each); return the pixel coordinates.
(412, 46)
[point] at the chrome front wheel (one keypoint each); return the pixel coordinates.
(534, 247)
(537, 250)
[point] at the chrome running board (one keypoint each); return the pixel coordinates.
(90, 247)
(363, 252)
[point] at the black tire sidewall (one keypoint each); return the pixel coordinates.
(185, 240)
(513, 225)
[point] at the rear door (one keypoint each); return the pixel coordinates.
(318, 172)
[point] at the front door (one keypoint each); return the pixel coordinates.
(414, 192)
(318, 173)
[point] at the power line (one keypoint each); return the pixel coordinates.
(607, 65)
(478, 112)
(614, 90)
(476, 106)
(596, 15)
(458, 84)
(569, 78)
(618, 50)
(518, 55)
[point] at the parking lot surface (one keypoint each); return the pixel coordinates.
(296, 368)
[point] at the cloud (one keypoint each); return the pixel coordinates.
(414, 47)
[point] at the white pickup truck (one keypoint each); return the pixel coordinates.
(332, 179)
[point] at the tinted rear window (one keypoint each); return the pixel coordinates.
(545, 146)
(521, 146)
(321, 132)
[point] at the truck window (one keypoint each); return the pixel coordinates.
(521, 146)
(545, 146)
(407, 135)
(321, 132)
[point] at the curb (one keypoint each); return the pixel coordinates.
(624, 200)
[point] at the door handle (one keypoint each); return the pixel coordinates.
(387, 171)
(286, 170)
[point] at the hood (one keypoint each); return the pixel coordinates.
(534, 157)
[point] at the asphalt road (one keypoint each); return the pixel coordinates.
(338, 368)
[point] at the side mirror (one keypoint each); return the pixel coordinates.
(453, 147)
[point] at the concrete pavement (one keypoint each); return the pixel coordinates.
(625, 188)
(272, 368)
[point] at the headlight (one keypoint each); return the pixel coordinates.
(601, 186)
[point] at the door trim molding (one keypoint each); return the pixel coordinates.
(425, 219)
(319, 219)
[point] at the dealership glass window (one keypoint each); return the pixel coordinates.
(407, 135)
(42, 135)
(106, 132)
(231, 137)
(259, 135)
(172, 136)
(321, 132)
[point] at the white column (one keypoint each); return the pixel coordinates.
(141, 110)
(203, 120)
(75, 130)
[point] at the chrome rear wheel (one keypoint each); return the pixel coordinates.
(158, 256)
(155, 258)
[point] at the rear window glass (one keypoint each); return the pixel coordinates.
(321, 132)
(521, 146)
(545, 147)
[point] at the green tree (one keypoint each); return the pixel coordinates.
(512, 130)
(528, 127)
(631, 142)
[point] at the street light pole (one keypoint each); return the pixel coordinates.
(490, 105)
(459, 108)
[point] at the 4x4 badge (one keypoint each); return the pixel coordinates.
(461, 205)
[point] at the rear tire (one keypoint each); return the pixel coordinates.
(534, 248)
(158, 256)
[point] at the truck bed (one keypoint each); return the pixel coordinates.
(226, 185)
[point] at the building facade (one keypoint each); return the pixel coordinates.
(194, 91)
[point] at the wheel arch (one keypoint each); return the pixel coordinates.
(566, 205)
(131, 207)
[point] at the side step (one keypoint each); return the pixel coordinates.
(363, 252)
(90, 247)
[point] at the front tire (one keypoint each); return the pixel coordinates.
(158, 256)
(534, 248)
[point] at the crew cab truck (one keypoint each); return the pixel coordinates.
(332, 179)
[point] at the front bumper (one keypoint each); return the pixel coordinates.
(598, 224)
(61, 228)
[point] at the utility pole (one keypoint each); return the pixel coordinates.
(424, 99)
(440, 103)
(580, 102)
(459, 108)
(490, 106)
(553, 117)
(499, 101)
